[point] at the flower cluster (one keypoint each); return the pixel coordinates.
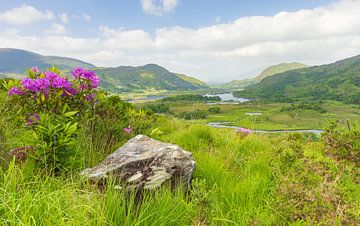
(243, 131)
(49, 81)
(128, 130)
(33, 120)
(89, 76)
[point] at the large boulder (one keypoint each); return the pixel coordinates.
(144, 163)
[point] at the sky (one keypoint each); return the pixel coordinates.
(213, 40)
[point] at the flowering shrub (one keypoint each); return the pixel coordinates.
(52, 105)
(48, 91)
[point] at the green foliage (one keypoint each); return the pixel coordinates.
(343, 142)
(336, 81)
(304, 106)
(214, 110)
(161, 108)
(191, 98)
(196, 114)
(55, 141)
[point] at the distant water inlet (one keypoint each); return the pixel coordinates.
(228, 97)
(226, 125)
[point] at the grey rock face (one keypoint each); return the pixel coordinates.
(144, 163)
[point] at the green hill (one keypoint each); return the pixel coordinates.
(279, 68)
(147, 77)
(15, 62)
(192, 80)
(269, 71)
(337, 81)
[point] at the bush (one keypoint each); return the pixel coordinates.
(53, 105)
(214, 110)
(158, 108)
(189, 115)
(304, 106)
(343, 142)
(54, 141)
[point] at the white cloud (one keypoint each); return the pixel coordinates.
(218, 19)
(160, 8)
(64, 18)
(25, 14)
(86, 17)
(237, 49)
(56, 29)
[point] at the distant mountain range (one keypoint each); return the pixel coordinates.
(337, 81)
(15, 62)
(269, 71)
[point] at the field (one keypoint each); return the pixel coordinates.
(272, 118)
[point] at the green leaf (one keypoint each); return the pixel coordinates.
(70, 113)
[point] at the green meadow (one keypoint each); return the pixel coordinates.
(259, 179)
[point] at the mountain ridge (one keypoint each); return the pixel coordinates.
(268, 71)
(338, 81)
(15, 62)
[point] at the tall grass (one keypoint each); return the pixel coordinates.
(37, 200)
(249, 180)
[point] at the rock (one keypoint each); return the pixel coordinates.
(144, 163)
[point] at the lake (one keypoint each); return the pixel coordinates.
(228, 97)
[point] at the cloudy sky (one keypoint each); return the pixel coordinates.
(213, 40)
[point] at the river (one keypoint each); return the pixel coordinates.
(225, 125)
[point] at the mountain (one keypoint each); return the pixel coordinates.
(269, 71)
(15, 62)
(336, 81)
(279, 68)
(192, 80)
(150, 76)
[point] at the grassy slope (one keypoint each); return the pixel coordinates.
(269, 71)
(279, 68)
(192, 80)
(258, 179)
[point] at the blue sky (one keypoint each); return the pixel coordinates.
(214, 40)
(129, 14)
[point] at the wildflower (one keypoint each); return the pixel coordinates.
(42, 84)
(128, 129)
(35, 70)
(33, 120)
(90, 76)
(29, 84)
(243, 130)
(77, 72)
(50, 75)
(60, 82)
(91, 97)
(69, 91)
(15, 91)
